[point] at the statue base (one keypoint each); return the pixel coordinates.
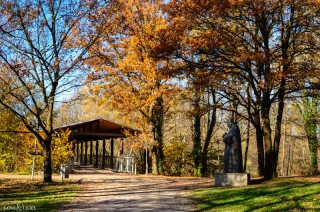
(232, 179)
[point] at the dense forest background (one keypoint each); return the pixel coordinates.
(177, 70)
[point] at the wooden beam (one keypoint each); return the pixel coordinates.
(91, 150)
(77, 146)
(97, 154)
(81, 152)
(111, 153)
(95, 134)
(97, 125)
(121, 147)
(86, 153)
(73, 156)
(103, 164)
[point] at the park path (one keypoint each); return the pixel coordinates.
(103, 190)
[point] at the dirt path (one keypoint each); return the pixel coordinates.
(103, 190)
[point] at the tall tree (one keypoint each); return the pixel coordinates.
(203, 113)
(132, 74)
(260, 44)
(40, 58)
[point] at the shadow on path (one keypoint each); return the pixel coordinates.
(104, 190)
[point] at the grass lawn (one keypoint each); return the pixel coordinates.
(27, 195)
(283, 194)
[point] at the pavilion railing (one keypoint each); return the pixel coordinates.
(125, 164)
(120, 164)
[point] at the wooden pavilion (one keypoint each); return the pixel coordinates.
(87, 136)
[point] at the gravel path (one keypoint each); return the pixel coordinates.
(103, 190)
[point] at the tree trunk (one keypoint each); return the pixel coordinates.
(289, 158)
(47, 161)
(211, 123)
(260, 149)
(48, 139)
(283, 147)
(256, 121)
(277, 136)
(204, 159)
(255, 118)
(268, 172)
(247, 148)
(196, 152)
(158, 133)
(159, 149)
(154, 161)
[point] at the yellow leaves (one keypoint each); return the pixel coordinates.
(61, 148)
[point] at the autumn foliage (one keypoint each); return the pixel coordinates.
(151, 63)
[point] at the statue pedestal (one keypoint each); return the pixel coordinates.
(232, 179)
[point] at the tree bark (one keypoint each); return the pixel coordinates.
(268, 172)
(247, 148)
(154, 160)
(48, 138)
(255, 119)
(283, 147)
(260, 149)
(158, 133)
(277, 136)
(259, 142)
(47, 177)
(196, 151)
(159, 148)
(289, 158)
(212, 118)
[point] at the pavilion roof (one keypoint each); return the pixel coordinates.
(97, 129)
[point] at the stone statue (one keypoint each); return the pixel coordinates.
(232, 151)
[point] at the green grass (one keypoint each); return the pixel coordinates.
(291, 194)
(18, 194)
(22, 173)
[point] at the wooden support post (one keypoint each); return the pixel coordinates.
(73, 146)
(121, 146)
(97, 154)
(91, 148)
(81, 153)
(103, 164)
(77, 146)
(86, 153)
(111, 154)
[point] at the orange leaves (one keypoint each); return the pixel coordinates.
(196, 7)
(134, 62)
(205, 39)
